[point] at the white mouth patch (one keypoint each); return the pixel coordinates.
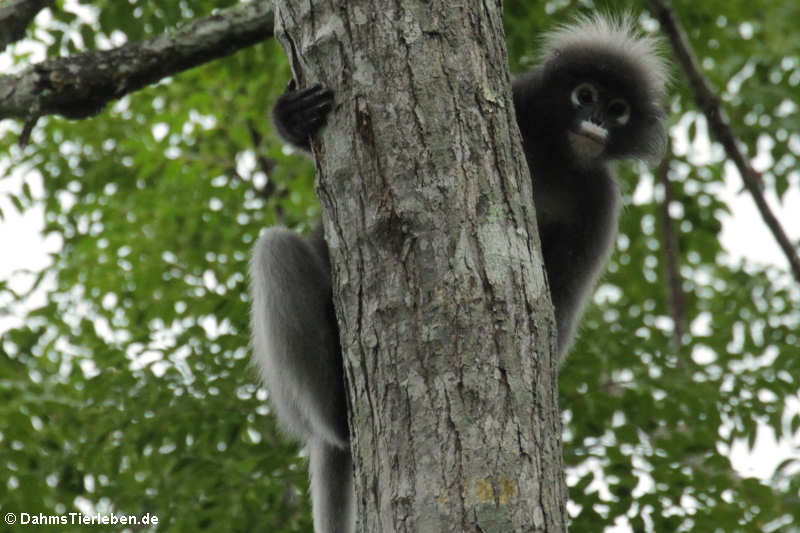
(588, 142)
(592, 130)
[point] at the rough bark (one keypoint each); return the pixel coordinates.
(445, 317)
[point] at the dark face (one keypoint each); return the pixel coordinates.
(597, 115)
(604, 107)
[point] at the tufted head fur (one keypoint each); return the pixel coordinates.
(616, 36)
(609, 51)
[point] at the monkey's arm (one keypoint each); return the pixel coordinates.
(298, 115)
(576, 248)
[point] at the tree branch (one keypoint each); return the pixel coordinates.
(80, 86)
(15, 18)
(711, 106)
(669, 245)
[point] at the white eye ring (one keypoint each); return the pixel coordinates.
(619, 110)
(584, 94)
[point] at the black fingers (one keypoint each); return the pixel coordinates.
(300, 114)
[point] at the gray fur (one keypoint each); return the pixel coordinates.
(569, 137)
(302, 366)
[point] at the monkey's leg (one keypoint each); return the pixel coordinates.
(295, 336)
(332, 497)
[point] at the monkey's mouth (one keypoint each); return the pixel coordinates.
(589, 140)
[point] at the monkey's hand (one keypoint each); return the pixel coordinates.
(300, 114)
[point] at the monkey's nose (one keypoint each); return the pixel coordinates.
(598, 119)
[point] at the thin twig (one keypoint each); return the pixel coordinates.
(708, 101)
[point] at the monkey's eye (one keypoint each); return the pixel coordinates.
(584, 94)
(619, 110)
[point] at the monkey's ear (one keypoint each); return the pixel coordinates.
(291, 86)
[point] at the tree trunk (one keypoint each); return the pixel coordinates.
(445, 317)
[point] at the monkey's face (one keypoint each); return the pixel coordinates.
(602, 105)
(597, 115)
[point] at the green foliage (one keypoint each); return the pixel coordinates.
(128, 389)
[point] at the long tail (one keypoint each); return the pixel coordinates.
(332, 495)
